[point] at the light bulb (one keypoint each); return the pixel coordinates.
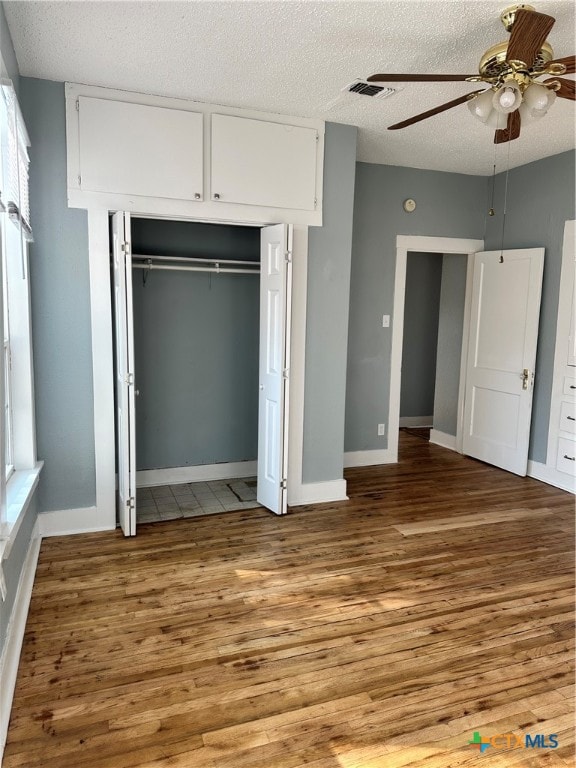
(507, 98)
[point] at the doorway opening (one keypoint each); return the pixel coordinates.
(434, 304)
(406, 244)
(201, 318)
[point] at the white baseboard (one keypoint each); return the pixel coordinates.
(196, 474)
(15, 634)
(416, 421)
(551, 476)
(370, 458)
(443, 439)
(67, 521)
(318, 493)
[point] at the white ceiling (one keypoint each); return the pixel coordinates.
(294, 57)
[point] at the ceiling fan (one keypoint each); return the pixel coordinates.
(512, 70)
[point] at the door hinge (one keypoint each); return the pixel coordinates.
(131, 502)
(129, 379)
(317, 136)
(126, 247)
(284, 484)
(288, 257)
(286, 373)
(79, 180)
(77, 105)
(315, 202)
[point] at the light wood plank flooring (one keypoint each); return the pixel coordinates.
(376, 633)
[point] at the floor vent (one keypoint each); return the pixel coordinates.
(363, 88)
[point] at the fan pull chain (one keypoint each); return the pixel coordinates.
(491, 209)
(490, 201)
(505, 205)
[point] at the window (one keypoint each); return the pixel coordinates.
(17, 443)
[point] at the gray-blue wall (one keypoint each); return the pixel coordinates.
(420, 337)
(449, 355)
(448, 205)
(60, 309)
(329, 257)
(540, 199)
(196, 348)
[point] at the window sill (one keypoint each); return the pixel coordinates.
(19, 491)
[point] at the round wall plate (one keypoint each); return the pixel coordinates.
(409, 205)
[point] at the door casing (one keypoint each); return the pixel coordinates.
(424, 244)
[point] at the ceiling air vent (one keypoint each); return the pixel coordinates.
(363, 88)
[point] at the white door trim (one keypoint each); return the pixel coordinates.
(102, 369)
(104, 516)
(423, 244)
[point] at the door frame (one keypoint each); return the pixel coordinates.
(103, 514)
(418, 243)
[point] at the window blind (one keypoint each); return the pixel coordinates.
(15, 163)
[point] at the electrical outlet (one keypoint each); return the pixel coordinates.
(385, 321)
(381, 430)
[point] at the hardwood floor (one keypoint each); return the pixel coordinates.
(375, 633)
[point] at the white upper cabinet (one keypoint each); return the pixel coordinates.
(255, 162)
(159, 156)
(141, 150)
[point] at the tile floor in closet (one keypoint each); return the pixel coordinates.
(169, 502)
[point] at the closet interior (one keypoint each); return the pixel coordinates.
(195, 297)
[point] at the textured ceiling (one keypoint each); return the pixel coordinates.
(294, 57)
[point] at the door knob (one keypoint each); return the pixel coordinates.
(525, 377)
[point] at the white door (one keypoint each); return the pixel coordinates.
(501, 357)
(126, 407)
(275, 302)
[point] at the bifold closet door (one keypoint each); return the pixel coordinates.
(125, 391)
(275, 303)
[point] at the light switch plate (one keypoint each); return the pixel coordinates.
(385, 321)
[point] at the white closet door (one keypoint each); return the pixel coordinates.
(125, 401)
(502, 357)
(275, 302)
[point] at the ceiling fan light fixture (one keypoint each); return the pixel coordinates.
(539, 98)
(528, 115)
(497, 120)
(507, 98)
(481, 106)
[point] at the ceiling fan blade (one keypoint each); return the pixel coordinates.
(512, 130)
(394, 78)
(529, 33)
(435, 111)
(568, 61)
(567, 88)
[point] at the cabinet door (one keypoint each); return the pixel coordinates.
(135, 149)
(255, 162)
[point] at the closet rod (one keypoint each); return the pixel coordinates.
(195, 258)
(217, 270)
